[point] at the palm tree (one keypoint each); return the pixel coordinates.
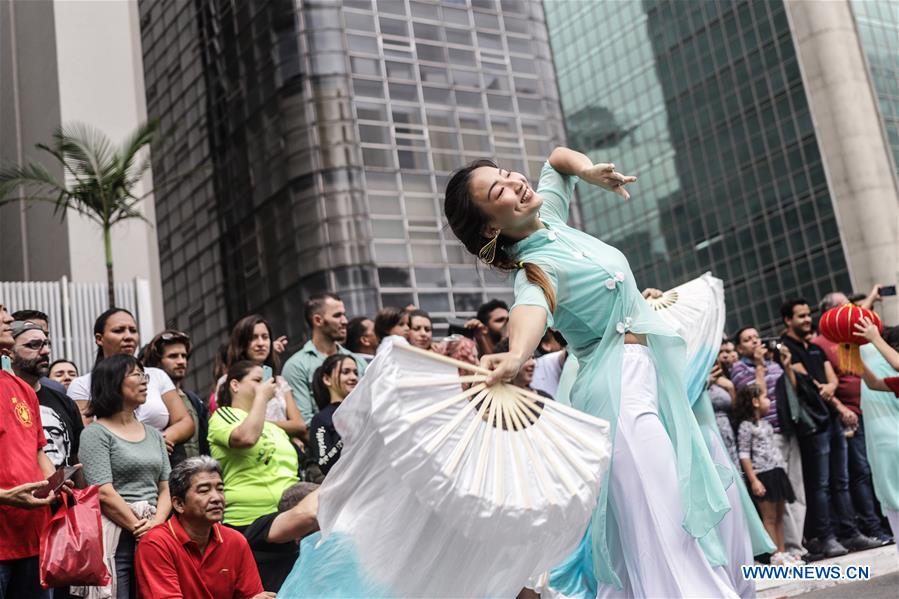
(98, 179)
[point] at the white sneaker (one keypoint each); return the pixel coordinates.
(780, 559)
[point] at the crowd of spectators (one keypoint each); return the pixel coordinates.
(208, 494)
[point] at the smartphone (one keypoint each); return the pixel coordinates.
(772, 344)
(6, 364)
(266, 372)
(887, 290)
(56, 481)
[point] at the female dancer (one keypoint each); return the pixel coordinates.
(662, 487)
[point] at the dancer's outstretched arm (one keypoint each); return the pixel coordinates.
(867, 329)
(569, 162)
(526, 327)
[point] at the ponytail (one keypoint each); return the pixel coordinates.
(538, 277)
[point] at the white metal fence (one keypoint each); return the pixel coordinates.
(73, 308)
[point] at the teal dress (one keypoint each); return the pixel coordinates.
(880, 410)
(597, 303)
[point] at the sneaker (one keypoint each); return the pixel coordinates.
(832, 548)
(780, 559)
(860, 542)
(797, 553)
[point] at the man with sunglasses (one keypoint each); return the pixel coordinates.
(59, 415)
(170, 351)
(25, 469)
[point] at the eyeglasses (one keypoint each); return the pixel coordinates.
(144, 377)
(38, 344)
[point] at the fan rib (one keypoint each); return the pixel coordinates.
(481, 468)
(576, 436)
(542, 481)
(498, 487)
(441, 358)
(462, 445)
(423, 413)
(440, 381)
(520, 472)
(440, 435)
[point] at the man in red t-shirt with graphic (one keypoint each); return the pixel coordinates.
(25, 470)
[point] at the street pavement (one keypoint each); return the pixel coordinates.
(882, 587)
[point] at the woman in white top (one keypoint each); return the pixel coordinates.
(115, 332)
(251, 339)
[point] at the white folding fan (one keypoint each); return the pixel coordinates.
(697, 312)
(492, 484)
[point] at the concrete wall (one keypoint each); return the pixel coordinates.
(101, 82)
(33, 242)
(63, 61)
(853, 144)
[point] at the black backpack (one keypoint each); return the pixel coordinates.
(801, 411)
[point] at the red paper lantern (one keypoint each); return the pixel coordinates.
(838, 325)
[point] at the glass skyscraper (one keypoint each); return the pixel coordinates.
(310, 143)
(703, 101)
(878, 31)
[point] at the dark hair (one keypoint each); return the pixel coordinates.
(242, 334)
(320, 391)
(891, 336)
(355, 330)
(501, 347)
(153, 352)
(30, 315)
(486, 309)
(182, 475)
(419, 313)
(107, 378)
(467, 221)
(294, 494)
(387, 318)
(743, 408)
(316, 303)
(739, 333)
(100, 327)
(236, 372)
(786, 310)
(62, 361)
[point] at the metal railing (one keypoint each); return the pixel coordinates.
(72, 309)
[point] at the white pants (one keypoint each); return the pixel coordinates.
(893, 517)
(657, 558)
(794, 513)
(734, 532)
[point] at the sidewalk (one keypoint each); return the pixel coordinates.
(881, 561)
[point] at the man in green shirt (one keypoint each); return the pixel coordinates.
(326, 316)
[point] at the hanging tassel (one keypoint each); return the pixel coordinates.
(851, 359)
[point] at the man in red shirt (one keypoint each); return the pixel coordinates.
(25, 470)
(192, 555)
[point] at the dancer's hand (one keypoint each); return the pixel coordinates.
(866, 328)
(758, 489)
(604, 175)
(504, 367)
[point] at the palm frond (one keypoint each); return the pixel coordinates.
(34, 176)
(87, 150)
(141, 137)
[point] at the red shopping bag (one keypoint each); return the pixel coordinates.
(72, 543)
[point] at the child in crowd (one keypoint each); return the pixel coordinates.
(763, 465)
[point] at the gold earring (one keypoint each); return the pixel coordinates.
(488, 252)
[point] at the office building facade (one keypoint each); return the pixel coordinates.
(312, 141)
(713, 106)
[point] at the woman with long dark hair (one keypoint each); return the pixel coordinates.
(251, 339)
(662, 492)
(115, 333)
(331, 383)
